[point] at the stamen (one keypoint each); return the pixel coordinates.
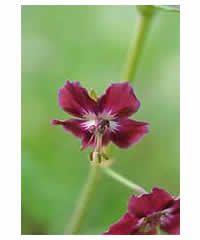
(148, 222)
(91, 156)
(99, 137)
(96, 155)
(104, 156)
(98, 130)
(103, 125)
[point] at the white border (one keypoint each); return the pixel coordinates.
(11, 106)
(10, 132)
(100, 2)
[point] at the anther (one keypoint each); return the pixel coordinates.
(104, 156)
(103, 125)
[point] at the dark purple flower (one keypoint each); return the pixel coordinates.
(103, 120)
(148, 212)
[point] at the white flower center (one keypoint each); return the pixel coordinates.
(103, 120)
(107, 115)
(89, 124)
(113, 126)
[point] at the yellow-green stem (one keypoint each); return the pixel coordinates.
(158, 231)
(90, 187)
(123, 180)
(134, 53)
(145, 15)
(85, 200)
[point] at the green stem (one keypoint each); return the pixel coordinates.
(136, 47)
(146, 14)
(90, 187)
(158, 232)
(169, 8)
(123, 180)
(84, 201)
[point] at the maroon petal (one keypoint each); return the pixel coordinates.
(119, 100)
(171, 222)
(75, 100)
(88, 140)
(72, 125)
(146, 204)
(128, 132)
(176, 206)
(124, 226)
(78, 129)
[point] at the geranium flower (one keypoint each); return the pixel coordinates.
(104, 119)
(149, 212)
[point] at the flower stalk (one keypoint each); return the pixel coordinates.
(134, 53)
(85, 199)
(123, 180)
(90, 187)
(146, 14)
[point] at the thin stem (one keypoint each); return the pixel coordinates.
(90, 187)
(168, 8)
(136, 47)
(146, 14)
(123, 180)
(84, 201)
(158, 232)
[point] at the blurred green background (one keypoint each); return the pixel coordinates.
(89, 44)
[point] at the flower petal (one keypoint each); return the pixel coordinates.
(172, 225)
(149, 203)
(128, 132)
(123, 227)
(88, 140)
(171, 222)
(79, 129)
(74, 126)
(119, 100)
(75, 100)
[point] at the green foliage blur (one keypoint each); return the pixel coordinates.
(90, 44)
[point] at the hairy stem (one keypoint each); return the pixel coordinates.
(85, 200)
(123, 180)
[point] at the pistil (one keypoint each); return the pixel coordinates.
(97, 153)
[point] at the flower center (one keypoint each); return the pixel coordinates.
(98, 129)
(98, 126)
(103, 125)
(146, 224)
